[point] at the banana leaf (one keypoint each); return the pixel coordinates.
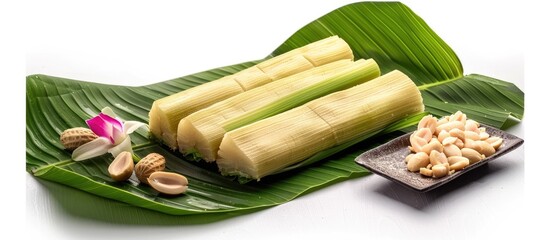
(388, 32)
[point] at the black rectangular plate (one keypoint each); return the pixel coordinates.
(387, 160)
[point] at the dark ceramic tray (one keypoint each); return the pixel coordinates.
(387, 160)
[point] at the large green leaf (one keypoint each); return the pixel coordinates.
(388, 32)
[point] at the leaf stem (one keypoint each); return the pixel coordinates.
(425, 86)
(144, 145)
(135, 158)
(58, 164)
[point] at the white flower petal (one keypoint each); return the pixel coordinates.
(131, 126)
(108, 111)
(118, 137)
(97, 147)
(125, 145)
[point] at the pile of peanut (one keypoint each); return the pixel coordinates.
(442, 146)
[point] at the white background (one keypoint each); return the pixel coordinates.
(136, 43)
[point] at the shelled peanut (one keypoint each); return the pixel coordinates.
(149, 170)
(442, 146)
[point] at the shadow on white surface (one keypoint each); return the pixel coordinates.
(68, 203)
(422, 201)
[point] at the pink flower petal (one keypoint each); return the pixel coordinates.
(106, 126)
(100, 127)
(97, 147)
(116, 124)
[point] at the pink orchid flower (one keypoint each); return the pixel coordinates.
(113, 136)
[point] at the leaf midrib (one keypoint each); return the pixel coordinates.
(429, 85)
(67, 162)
